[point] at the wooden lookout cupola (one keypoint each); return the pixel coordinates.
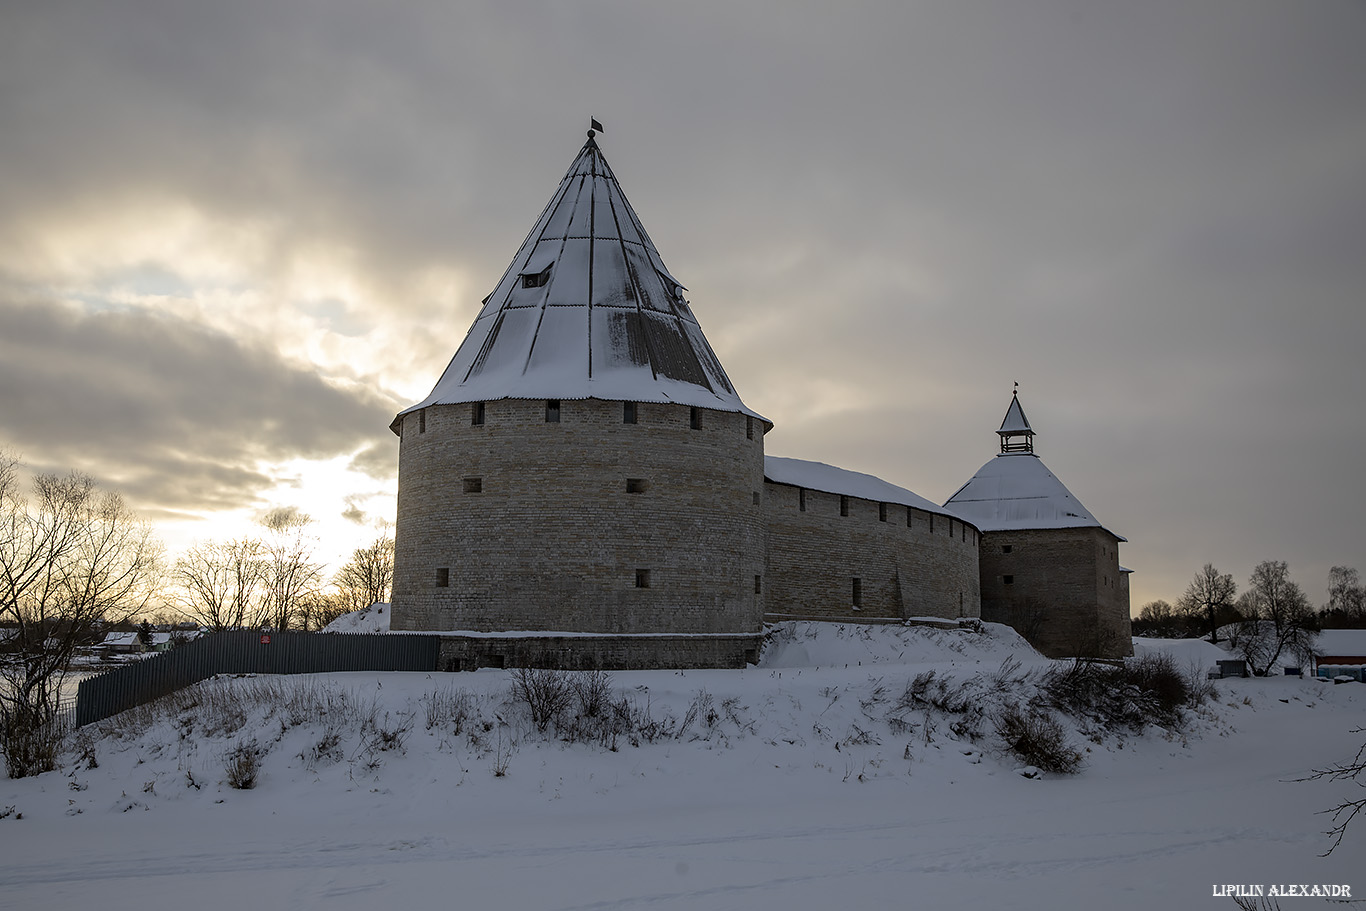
(1016, 434)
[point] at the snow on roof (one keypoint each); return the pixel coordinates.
(1341, 642)
(1015, 490)
(828, 478)
(1015, 421)
(587, 309)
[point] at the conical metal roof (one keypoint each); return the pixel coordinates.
(1015, 490)
(587, 309)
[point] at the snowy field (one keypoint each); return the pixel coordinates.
(797, 784)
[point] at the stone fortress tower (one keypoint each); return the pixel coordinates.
(584, 488)
(583, 485)
(1048, 567)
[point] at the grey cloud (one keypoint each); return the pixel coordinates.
(174, 414)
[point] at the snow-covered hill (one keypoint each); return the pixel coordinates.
(810, 781)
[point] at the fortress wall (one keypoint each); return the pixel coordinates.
(925, 569)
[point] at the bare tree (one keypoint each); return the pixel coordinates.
(1209, 595)
(1280, 620)
(291, 574)
(220, 583)
(321, 608)
(1347, 810)
(71, 559)
(369, 576)
(1346, 597)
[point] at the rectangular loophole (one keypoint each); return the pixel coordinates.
(476, 414)
(801, 499)
(628, 412)
(422, 420)
(474, 485)
(756, 498)
(882, 512)
(749, 427)
(858, 592)
(642, 578)
(552, 411)
(636, 485)
(758, 585)
(1008, 580)
(1007, 548)
(443, 577)
(695, 418)
(844, 506)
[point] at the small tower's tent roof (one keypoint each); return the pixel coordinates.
(828, 478)
(1015, 422)
(587, 309)
(1015, 490)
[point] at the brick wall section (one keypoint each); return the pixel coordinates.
(928, 569)
(1066, 593)
(613, 653)
(553, 540)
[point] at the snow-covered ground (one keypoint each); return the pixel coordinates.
(797, 794)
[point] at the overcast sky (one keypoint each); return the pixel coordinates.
(236, 238)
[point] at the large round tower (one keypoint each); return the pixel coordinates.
(583, 487)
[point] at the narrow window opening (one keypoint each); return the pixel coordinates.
(474, 485)
(756, 498)
(1007, 548)
(628, 412)
(1008, 580)
(695, 418)
(636, 485)
(497, 661)
(844, 506)
(758, 585)
(749, 427)
(552, 411)
(909, 514)
(962, 533)
(882, 512)
(422, 421)
(931, 523)
(858, 592)
(536, 279)
(642, 578)
(801, 499)
(477, 414)
(443, 577)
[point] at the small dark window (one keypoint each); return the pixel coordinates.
(882, 512)
(636, 485)
(642, 578)
(844, 506)
(749, 427)
(758, 585)
(443, 577)
(950, 528)
(858, 592)
(477, 413)
(801, 499)
(552, 411)
(422, 421)
(628, 412)
(756, 498)
(962, 533)
(909, 513)
(536, 279)
(1008, 580)
(1007, 548)
(931, 523)
(474, 485)
(695, 419)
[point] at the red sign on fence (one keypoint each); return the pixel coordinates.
(265, 638)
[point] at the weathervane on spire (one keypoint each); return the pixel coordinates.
(594, 127)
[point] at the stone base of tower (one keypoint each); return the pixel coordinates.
(587, 652)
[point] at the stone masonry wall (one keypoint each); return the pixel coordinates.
(925, 569)
(532, 525)
(613, 653)
(1061, 588)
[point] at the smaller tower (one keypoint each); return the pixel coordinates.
(1048, 567)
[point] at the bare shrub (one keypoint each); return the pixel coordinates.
(1157, 674)
(1038, 739)
(592, 691)
(450, 707)
(546, 694)
(243, 765)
